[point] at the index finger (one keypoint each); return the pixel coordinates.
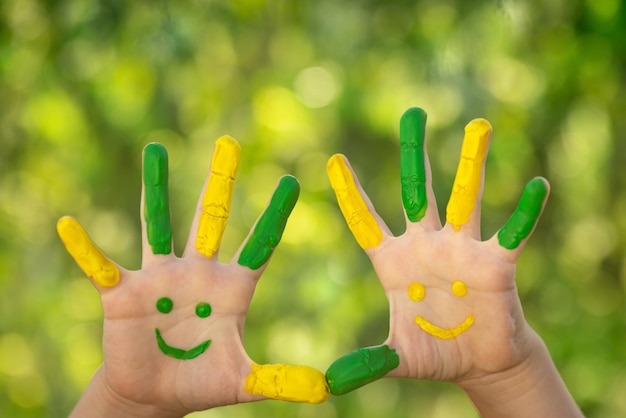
(354, 207)
(269, 228)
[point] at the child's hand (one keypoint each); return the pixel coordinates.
(172, 339)
(454, 310)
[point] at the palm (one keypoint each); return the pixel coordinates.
(454, 310)
(131, 318)
(439, 258)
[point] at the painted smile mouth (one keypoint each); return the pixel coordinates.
(444, 333)
(178, 353)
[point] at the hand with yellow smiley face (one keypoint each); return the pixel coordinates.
(454, 310)
(172, 339)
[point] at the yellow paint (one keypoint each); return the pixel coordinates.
(288, 383)
(354, 209)
(417, 291)
(88, 257)
(459, 288)
(468, 175)
(218, 195)
(444, 333)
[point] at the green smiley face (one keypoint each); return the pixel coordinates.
(165, 306)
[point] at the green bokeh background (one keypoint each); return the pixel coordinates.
(84, 85)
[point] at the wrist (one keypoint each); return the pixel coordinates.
(99, 400)
(532, 387)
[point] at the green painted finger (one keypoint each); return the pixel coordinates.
(412, 170)
(270, 226)
(360, 367)
(525, 216)
(156, 203)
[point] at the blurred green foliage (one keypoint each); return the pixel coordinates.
(85, 84)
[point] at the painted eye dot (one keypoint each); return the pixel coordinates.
(416, 291)
(459, 288)
(164, 305)
(203, 309)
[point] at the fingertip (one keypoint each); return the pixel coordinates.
(228, 141)
(536, 189)
(360, 367)
(286, 195)
(541, 184)
(290, 182)
(226, 156)
(479, 126)
(334, 161)
(155, 161)
(64, 222)
(154, 147)
(287, 382)
(338, 171)
(526, 215)
(413, 117)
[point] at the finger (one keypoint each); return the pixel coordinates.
(88, 257)
(217, 197)
(467, 189)
(526, 215)
(354, 204)
(287, 382)
(412, 168)
(271, 224)
(156, 208)
(360, 367)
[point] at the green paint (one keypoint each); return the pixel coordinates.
(360, 367)
(270, 226)
(156, 204)
(178, 353)
(412, 165)
(203, 309)
(164, 305)
(525, 216)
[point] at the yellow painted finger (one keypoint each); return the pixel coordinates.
(469, 173)
(88, 257)
(288, 383)
(218, 195)
(353, 207)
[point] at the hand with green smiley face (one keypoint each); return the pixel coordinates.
(455, 314)
(172, 336)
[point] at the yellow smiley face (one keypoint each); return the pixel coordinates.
(417, 292)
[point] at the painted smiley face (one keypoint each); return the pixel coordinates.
(417, 292)
(165, 306)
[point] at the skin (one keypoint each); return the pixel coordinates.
(495, 356)
(165, 306)
(166, 352)
(417, 292)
